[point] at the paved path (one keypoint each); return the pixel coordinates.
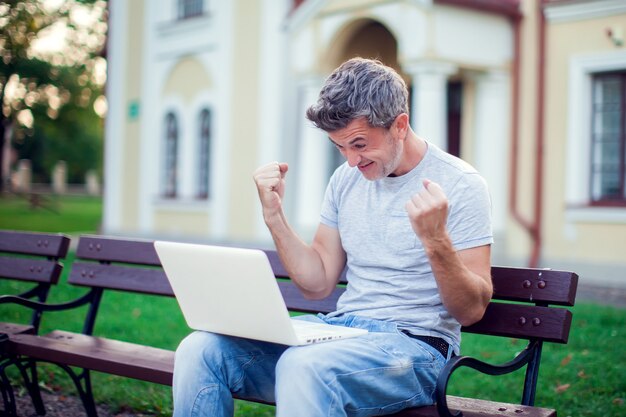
(601, 295)
(60, 405)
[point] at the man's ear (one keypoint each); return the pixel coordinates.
(402, 124)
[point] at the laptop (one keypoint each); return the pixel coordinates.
(233, 291)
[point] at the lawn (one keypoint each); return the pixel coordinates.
(66, 214)
(581, 379)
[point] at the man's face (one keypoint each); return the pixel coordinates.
(373, 150)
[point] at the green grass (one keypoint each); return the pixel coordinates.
(583, 378)
(66, 214)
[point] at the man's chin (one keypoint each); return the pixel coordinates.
(368, 172)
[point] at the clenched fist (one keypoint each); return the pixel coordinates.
(270, 183)
(428, 212)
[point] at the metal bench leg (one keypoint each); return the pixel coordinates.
(532, 376)
(8, 397)
(82, 382)
(32, 384)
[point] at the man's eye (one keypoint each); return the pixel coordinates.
(359, 147)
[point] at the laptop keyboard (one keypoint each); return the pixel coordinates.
(318, 332)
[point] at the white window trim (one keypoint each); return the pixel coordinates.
(577, 188)
(568, 12)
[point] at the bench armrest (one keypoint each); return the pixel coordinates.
(523, 358)
(41, 307)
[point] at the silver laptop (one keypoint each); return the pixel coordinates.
(233, 291)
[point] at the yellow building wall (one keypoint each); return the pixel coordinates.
(130, 157)
(181, 223)
(587, 241)
(245, 120)
(187, 78)
(518, 242)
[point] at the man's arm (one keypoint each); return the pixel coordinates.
(315, 269)
(463, 277)
(464, 280)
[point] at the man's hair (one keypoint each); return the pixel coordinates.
(360, 88)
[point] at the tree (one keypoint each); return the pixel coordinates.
(48, 94)
(71, 132)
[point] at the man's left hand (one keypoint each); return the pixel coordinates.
(428, 212)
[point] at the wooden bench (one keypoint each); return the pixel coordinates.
(32, 259)
(526, 306)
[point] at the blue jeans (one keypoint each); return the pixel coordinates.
(380, 373)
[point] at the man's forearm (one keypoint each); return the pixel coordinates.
(303, 262)
(465, 289)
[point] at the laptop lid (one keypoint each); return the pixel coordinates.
(227, 290)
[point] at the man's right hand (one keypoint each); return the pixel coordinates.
(270, 183)
(314, 268)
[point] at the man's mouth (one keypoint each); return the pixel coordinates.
(363, 167)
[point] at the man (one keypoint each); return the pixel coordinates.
(412, 224)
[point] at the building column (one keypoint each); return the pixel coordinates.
(492, 133)
(312, 162)
(429, 99)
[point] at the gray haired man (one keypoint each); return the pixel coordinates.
(412, 225)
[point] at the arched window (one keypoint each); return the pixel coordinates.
(170, 171)
(204, 154)
(190, 8)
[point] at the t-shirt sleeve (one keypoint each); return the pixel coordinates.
(329, 212)
(469, 219)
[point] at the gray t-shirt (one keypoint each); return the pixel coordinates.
(389, 275)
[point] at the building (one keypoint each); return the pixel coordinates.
(202, 92)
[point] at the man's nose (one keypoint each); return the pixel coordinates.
(353, 158)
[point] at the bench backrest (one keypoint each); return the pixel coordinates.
(535, 314)
(33, 258)
(522, 307)
(532, 314)
(119, 264)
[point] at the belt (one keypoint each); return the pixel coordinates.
(436, 342)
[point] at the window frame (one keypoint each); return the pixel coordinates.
(171, 146)
(203, 184)
(578, 205)
(620, 200)
(188, 9)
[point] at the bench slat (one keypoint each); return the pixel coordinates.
(110, 249)
(277, 265)
(514, 284)
(534, 285)
(510, 284)
(296, 302)
(15, 328)
(30, 243)
(28, 269)
(104, 355)
(524, 321)
(479, 408)
(118, 277)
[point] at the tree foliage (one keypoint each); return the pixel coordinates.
(50, 90)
